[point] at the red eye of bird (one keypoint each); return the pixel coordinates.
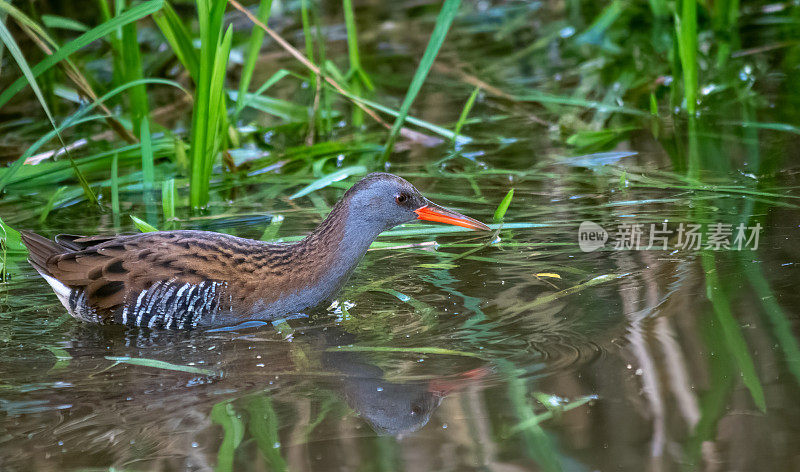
(400, 199)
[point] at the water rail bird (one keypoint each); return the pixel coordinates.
(184, 279)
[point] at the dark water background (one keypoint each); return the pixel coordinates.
(456, 350)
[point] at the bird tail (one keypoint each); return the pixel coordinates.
(40, 249)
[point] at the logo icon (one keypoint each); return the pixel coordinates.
(591, 236)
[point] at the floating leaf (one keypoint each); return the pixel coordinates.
(163, 365)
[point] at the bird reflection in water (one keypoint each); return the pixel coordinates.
(391, 408)
(116, 410)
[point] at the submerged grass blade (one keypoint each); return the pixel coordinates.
(163, 365)
(263, 426)
(541, 97)
(536, 441)
(271, 231)
(781, 326)
(433, 230)
(413, 350)
(443, 22)
(731, 331)
(226, 416)
(549, 414)
(544, 299)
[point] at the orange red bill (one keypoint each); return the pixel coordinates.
(433, 212)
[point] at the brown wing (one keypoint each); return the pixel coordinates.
(111, 269)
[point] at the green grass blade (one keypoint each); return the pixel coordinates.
(441, 131)
(270, 82)
(76, 118)
(142, 225)
(148, 167)
(271, 231)
(308, 40)
(324, 181)
(540, 97)
(352, 36)
(26, 21)
(288, 111)
(16, 53)
(430, 230)
(443, 22)
(178, 38)
(500, 213)
(209, 117)
(253, 49)
(356, 74)
(686, 25)
(168, 201)
(115, 184)
(133, 14)
(51, 203)
(596, 32)
(218, 122)
(60, 22)
(12, 242)
(465, 113)
(132, 70)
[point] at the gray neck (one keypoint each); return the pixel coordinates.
(358, 236)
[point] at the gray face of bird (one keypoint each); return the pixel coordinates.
(382, 201)
(386, 203)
